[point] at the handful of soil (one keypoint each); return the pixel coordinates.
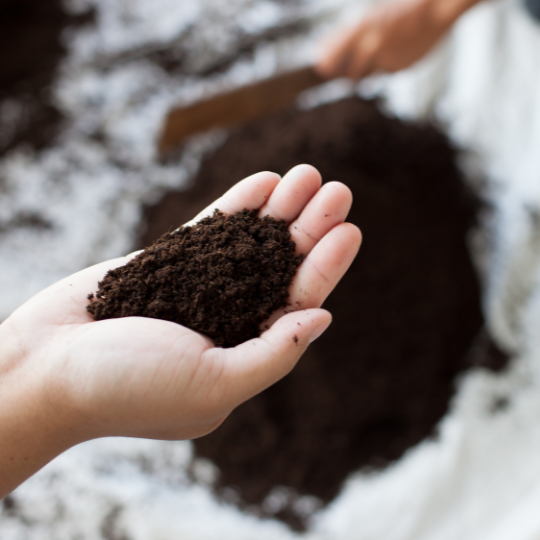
(223, 277)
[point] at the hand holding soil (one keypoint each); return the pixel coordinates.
(66, 378)
(223, 277)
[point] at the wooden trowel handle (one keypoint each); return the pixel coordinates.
(236, 107)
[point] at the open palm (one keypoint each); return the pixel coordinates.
(150, 378)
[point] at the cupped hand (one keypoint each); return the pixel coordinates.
(389, 38)
(150, 378)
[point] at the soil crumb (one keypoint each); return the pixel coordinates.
(404, 316)
(223, 277)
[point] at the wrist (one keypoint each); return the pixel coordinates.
(32, 430)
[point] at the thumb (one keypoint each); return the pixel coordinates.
(255, 365)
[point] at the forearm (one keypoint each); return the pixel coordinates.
(31, 432)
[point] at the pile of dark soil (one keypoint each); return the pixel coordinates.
(223, 277)
(31, 41)
(405, 315)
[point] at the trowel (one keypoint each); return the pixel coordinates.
(235, 107)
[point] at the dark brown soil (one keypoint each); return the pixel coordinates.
(32, 47)
(223, 277)
(405, 315)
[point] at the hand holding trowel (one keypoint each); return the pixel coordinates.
(390, 37)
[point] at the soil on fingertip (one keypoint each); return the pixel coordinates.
(222, 277)
(405, 316)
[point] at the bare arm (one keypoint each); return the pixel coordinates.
(391, 37)
(65, 378)
(33, 430)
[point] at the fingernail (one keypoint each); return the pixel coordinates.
(318, 331)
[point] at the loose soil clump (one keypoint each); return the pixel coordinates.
(404, 316)
(223, 277)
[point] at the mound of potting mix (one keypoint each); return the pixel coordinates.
(406, 316)
(223, 277)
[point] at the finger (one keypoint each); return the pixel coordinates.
(336, 53)
(133, 254)
(250, 193)
(322, 269)
(256, 364)
(363, 59)
(328, 208)
(292, 194)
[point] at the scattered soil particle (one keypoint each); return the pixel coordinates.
(404, 316)
(10, 505)
(500, 404)
(26, 220)
(485, 353)
(223, 277)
